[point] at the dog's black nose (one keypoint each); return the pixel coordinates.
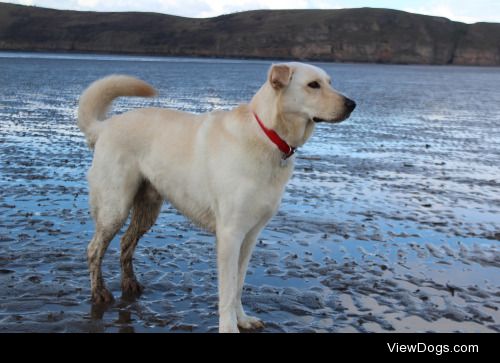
(350, 104)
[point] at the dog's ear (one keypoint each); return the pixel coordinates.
(280, 75)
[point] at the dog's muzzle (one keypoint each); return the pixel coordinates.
(349, 105)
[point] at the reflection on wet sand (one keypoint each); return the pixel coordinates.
(390, 223)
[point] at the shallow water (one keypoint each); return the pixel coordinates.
(391, 221)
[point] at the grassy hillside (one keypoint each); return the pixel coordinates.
(347, 35)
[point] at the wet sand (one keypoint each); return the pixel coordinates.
(390, 223)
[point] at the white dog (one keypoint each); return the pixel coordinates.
(225, 170)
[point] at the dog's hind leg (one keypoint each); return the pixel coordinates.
(110, 200)
(145, 209)
(95, 253)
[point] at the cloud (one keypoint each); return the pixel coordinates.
(192, 8)
(230, 6)
(25, 2)
(441, 10)
(461, 10)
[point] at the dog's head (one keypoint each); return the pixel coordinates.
(306, 91)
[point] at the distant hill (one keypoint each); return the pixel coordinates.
(347, 35)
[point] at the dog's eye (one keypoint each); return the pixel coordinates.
(314, 85)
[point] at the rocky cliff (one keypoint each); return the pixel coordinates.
(347, 35)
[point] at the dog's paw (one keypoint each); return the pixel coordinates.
(250, 323)
(229, 328)
(227, 323)
(131, 287)
(102, 296)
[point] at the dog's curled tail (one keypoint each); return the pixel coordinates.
(97, 98)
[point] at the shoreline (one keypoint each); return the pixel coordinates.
(82, 55)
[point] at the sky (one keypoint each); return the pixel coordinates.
(468, 11)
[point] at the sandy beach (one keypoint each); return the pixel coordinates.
(391, 222)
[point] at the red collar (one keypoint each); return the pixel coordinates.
(286, 149)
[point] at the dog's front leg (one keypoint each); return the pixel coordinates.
(228, 250)
(245, 321)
